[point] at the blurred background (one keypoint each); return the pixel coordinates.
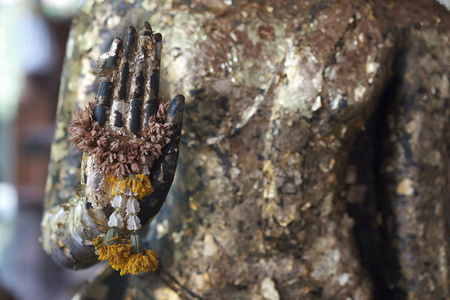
(33, 37)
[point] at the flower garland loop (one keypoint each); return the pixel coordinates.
(123, 160)
(120, 152)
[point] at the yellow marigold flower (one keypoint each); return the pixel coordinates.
(147, 261)
(98, 242)
(116, 254)
(139, 184)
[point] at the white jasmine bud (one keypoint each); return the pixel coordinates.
(132, 206)
(133, 223)
(117, 201)
(115, 220)
(127, 191)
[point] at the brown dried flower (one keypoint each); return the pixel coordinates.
(118, 154)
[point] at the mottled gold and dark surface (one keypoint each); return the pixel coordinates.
(276, 95)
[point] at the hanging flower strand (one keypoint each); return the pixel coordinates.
(116, 153)
(124, 187)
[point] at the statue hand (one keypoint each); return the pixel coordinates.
(131, 132)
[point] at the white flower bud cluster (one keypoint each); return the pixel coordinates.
(131, 206)
(115, 220)
(133, 222)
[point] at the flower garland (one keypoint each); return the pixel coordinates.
(118, 177)
(120, 154)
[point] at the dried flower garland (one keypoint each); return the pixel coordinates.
(120, 179)
(115, 150)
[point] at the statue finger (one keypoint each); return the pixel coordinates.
(119, 108)
(130, 42)
(163, 172)
(151, 98)
(106, 78)
(137, 88)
